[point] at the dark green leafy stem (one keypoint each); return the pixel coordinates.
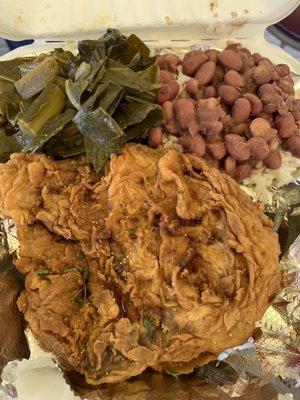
(90, 103)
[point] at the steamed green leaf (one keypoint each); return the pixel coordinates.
(49, 129)
(37, 78)
(90, 103)
(8, 145)
(101, 134)
(49, 103)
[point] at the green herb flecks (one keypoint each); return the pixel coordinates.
(69, 268)
(43, 272)
(82, 294)
(149, 326)
(80, 255)
(172, 373)
(132, 233)
(79, 300)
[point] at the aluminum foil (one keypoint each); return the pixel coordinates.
(263, 369)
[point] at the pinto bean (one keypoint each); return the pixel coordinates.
(241, 110)
(271, 94)
(205, 73)
(296, 110)
(218, 76)
(212, 55)
(211, 128)
(285, 125)
(256, 104)
(217, 150)
(184, 111)
(247, 60)
(167, 92)
(257, 57)
(209, 91)
(237, 147)
(262, 74)
(192, 61)
(293, 145)
(233, 78)
(165, 76)
(242, 172)
(195, 144)
(249, 82)
(274, 143)
(168, 109)
(283, 69)
(198, 145)
(259, 148)
(240, 129)
(155, 137)
(192, 87)
(273, 160)
(168, 62)
(230, 59)
(262, 128)
(287, 85)
(229, 93)
(230, 165)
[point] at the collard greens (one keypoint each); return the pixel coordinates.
(90, 103)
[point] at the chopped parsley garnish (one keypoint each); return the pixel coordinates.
(43, 272)
(149, 326)
(172, 373)
(80, 255)
(69, 268)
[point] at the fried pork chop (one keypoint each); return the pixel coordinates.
(162, 262)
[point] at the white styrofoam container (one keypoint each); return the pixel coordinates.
(162, 23)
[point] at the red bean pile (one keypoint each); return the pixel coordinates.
(238, 108)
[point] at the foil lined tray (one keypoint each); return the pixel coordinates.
(265, 367)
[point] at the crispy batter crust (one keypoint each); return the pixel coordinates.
(169, 243)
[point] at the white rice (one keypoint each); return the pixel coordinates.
(263, 178)
(257, 185)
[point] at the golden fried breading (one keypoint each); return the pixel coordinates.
(163, 262)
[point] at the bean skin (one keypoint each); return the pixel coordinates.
(195, 144)
(184, 112)
(262, 128)
(217, 150)
(285, 125)
(205, 73)
(155, 137)
(192, 62)
(230, 165)
(192, 87)
(237, 147)
(229, 94)
(242, 172)
(165, 76)
(273, 161)
(259, 148)
(233, 78)
(167, 92)
(209, 91)
(230, 59)
(256, 104)
(241, 110)
(293, 145)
